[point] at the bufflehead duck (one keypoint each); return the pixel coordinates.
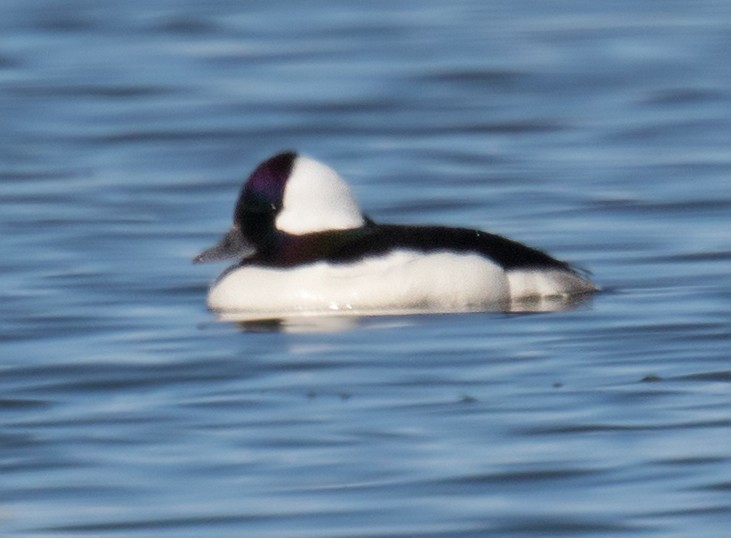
(304, 246)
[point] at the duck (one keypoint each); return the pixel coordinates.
(302, 245)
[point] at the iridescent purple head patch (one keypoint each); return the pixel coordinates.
(264, 190)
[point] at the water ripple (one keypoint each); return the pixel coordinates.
(595, 131)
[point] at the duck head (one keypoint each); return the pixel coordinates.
(288, 194)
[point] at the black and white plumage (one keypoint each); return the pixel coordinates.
(304, 246)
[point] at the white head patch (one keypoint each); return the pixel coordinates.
(316, 199)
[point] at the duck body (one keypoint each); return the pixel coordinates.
(315, 252)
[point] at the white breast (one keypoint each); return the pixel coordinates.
(402, 280)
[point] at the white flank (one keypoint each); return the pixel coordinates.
(401, 280)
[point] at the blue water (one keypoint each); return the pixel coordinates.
(598, 131)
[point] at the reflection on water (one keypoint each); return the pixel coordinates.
(598, 131)
(315, 323)
(347, 319)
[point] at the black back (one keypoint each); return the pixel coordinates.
(346, 246)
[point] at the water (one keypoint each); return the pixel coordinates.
(597, 131)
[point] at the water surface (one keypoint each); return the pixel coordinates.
(596, 131)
